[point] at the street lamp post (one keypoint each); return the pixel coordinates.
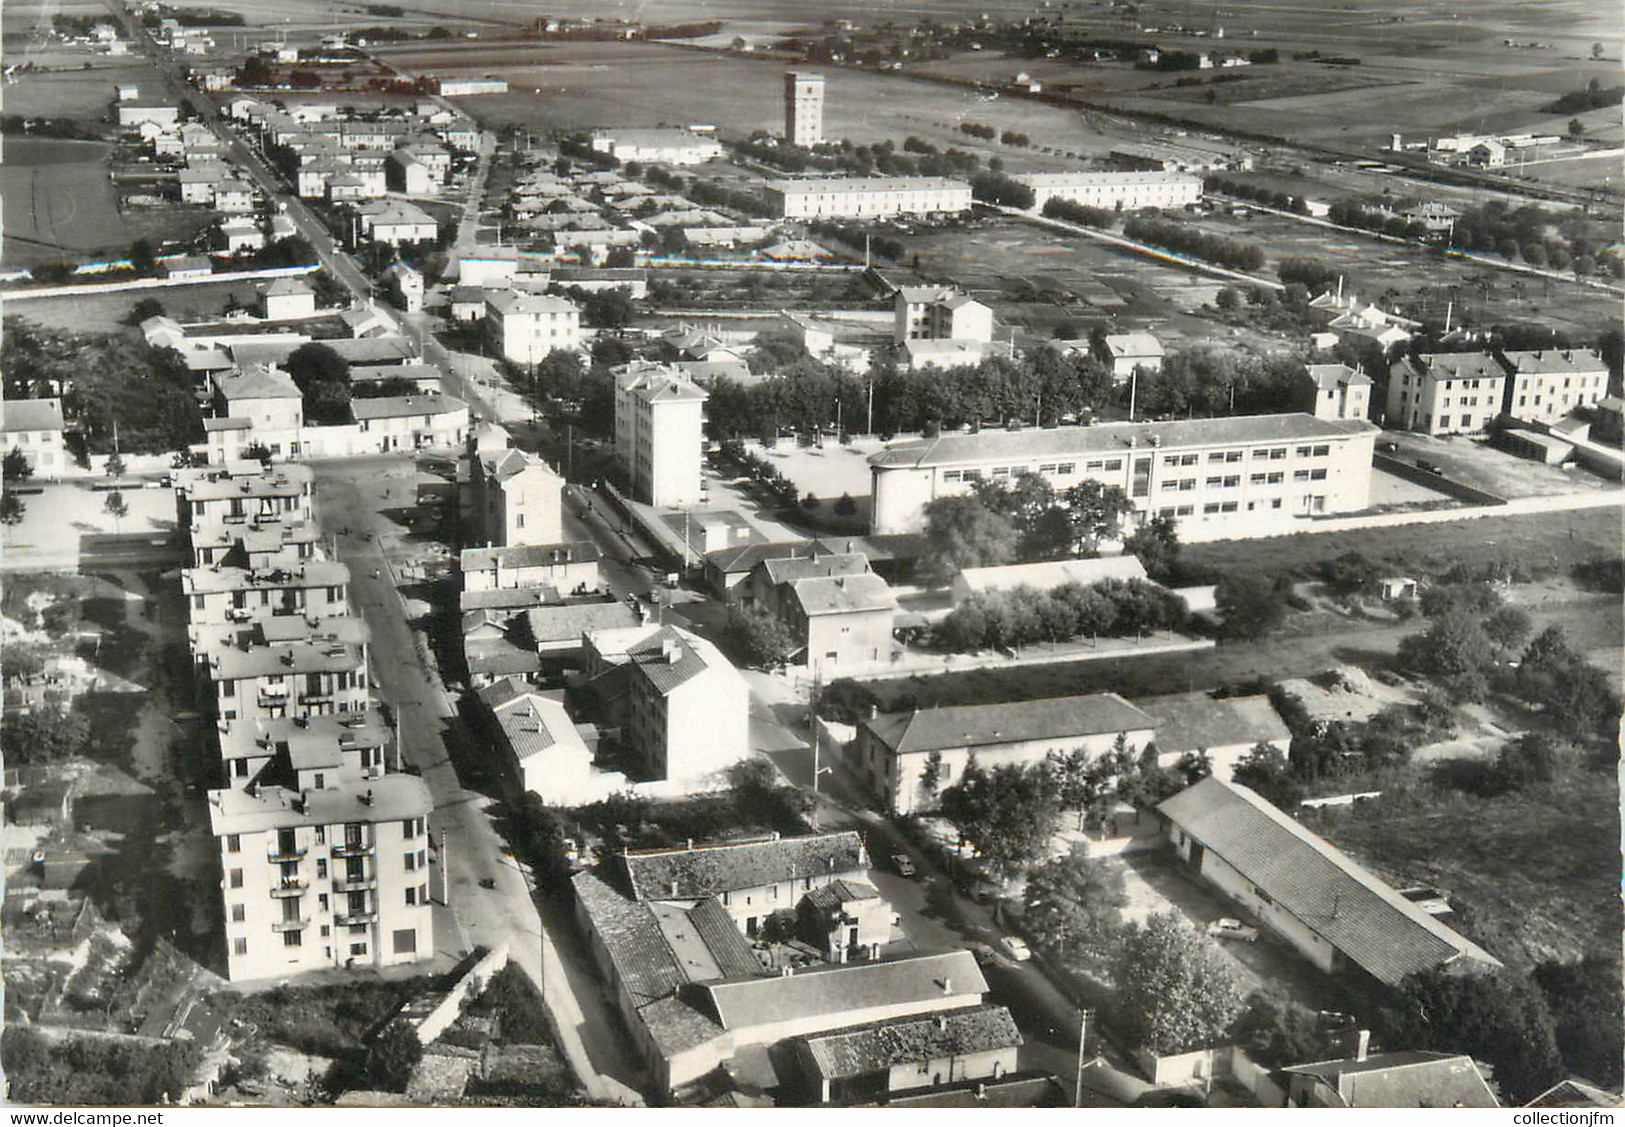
(1083, 1040)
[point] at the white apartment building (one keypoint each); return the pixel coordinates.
(316, 877)
(523, 328)
(657, 146)
(269, 401)
(1334, 391)
(221, 594)
(804, 109)
(1218, 478)
(313, 675)
(1544, 385)
(1445, 392)
(265, 545)
(682, 709)
(1114, 191)
(938, 313)
(870, 197)
(659, 433)
(244, 492)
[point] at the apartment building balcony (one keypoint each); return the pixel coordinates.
(361, 884)
(353, 849)
(289, 888)
(280, 856)
(355, 919)
(289, 925)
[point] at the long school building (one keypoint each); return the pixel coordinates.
(867, 197)
(1250, 475)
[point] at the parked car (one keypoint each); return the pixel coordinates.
(903, 865)
(1388, 447)
(1019, 951)
(1429, 467)
(1228, 928)
(986, 956)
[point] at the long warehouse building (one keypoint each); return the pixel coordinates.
(1115, 191)
(867, 197)
(1248, 475)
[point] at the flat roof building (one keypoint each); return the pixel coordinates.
(868, 197)
(1218, 478)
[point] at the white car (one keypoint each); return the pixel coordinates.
(1019, 951)
(1228, 928)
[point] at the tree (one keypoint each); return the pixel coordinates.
(1454, 644)
(1250, 605)
(1075, 907)
(47, 734)
(1227, 299)
(115, 466)
(1498, 1017)
(1156, 544)
(323, 379)
(142, 258)
(1265, 769)
(143, 309)
(117, 508)
(1577, 127)
(1009, 813)
(845, 506)
(1095, 513)
(960, 532)
(12, 509)
(1508, 627)
(16, 466)
(930, 777)
(1278, 1032)
(760, 636)
(1596, 50)
(1531, 758)
(1585, 999)
(1349, 573)
(1175, 993)
(561, 374)
(392, 1056)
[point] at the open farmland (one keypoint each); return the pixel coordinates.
(644, 84)
(68, 88)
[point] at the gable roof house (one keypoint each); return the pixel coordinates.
(892, 749)
(1390, 1080)
(1339, 916)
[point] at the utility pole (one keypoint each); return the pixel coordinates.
(1133, 388)
(1083, 1040)
(869, 426)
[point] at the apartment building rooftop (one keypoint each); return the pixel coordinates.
(218, 483)
(528, 555)
(1559, 361)
(386, 799)
(216, 580)
(843, 594)
(1114, 438)
(287, 659)
(789, 569)
(341, 730)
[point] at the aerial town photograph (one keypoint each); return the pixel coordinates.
(761, 554)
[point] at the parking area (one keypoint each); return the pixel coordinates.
(1157, 882)
(1474, 462)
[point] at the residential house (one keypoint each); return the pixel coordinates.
(1124, 352)
(540, 744)
(1225, 729)
(656, 146)
(187, 267)
(408, 286)
(1333, 391)
(35, 427)
(681, 709)
(1045, 576)
(868, 1063)
(198, 184)
(132, 112)
(411, 422)
(239, 235)
(935, 313)
(287, 299)
(727, 569)
(234, 197)
(1445, 393)
(406, 173)
(1411, 1079)
(845, 920)
(517, 499)
(524, 328)
(396, 223)
(1335, 913)
(567, 567)
(839, 613)
(270, 402)
(894, 751)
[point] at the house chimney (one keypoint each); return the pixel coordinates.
(947, 985)
(366, 799)
(787, 972)
(1362, 1044)
(942, 1023)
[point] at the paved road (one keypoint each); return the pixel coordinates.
(350, 494)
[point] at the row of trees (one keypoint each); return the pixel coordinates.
(1024, 616)
(1005, 191)
(1070, 211)
(1282, 201)
(1230, 253)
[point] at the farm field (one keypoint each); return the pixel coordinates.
(61, 205)
(71, 89)
(645, 84)
(106, 313)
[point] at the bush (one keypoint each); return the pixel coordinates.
(847, 701)
(1081, 214)
(1172, 236)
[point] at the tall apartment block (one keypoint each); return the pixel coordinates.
(325, 858)
(804, 109)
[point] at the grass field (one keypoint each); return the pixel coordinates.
(1547, 540)
(1534, 874)
(105, 313)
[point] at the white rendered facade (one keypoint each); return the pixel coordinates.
(1115, 191)
(1545, 385)
(804, 109)
(659, 433)
(1218, 478)
(524, 328)
(1445, 393)
(870, 197)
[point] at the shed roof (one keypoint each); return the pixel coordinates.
(709, 870)
(848, 988)
(977, 725)
(1407, 1079)
(843, 1054)
(1361, 916)
(1187, 721)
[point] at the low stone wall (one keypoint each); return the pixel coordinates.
(439, 1018)
(1418, 476)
